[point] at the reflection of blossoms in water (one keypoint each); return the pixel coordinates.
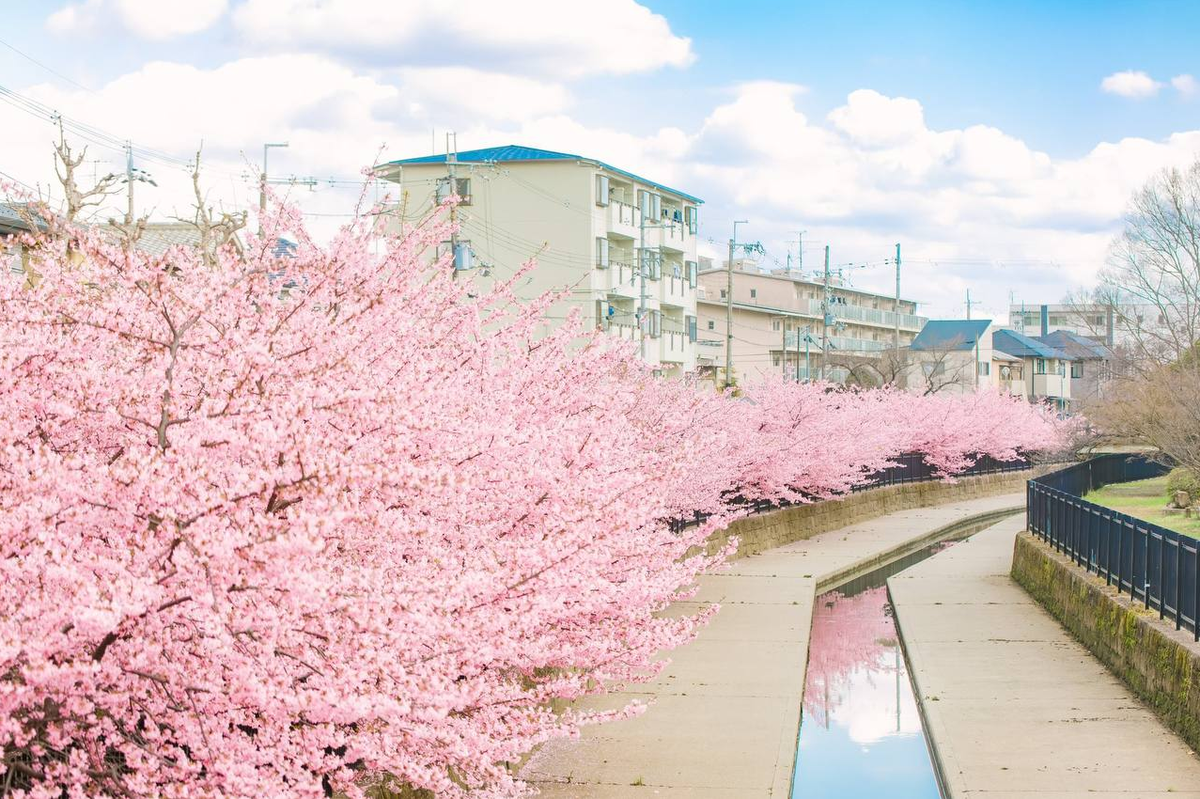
(849, 633)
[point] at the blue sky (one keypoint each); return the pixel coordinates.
(977, 134)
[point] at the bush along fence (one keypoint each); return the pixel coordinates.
(909, 467)
(1154, 565)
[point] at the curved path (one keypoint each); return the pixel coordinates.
(726, 711)
(1014, 706)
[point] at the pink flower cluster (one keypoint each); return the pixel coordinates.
(372, 532)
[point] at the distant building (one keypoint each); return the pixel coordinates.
(618, 241)
(952, 355)
(778, 323)
(1046, 368)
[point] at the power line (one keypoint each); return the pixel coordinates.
(51, 70)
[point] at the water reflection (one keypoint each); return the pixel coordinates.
(860, 733)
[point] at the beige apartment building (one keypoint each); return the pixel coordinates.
(622, 245)
(778, 323)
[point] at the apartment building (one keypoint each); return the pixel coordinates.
(778, 323)
(623, 245)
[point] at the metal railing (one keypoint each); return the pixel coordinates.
(910, 467)
(1154, 565)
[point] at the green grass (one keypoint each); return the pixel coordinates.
(1145, 499)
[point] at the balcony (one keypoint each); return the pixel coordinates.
(623, 280)
(624, 220)
(675, 291)
(623, 331)
(672, 236)
(674, 347)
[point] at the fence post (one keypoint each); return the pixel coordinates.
(1162, 590)
(1178, 581)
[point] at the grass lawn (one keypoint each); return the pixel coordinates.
(1145, 499)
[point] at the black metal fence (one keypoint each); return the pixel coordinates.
(910, 467)
(1154, 565)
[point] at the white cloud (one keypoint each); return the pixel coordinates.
(438, 91)
(973, 206)
(1130, 83)
(149, 19)
(568, 39)
(1186, 85)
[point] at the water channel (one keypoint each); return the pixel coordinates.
(861, 735)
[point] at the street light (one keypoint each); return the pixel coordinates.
(262, 185)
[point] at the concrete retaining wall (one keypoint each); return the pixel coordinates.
(1160, 664)
(765, 531)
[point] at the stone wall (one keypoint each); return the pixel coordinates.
(764, 531)
(1160, 664)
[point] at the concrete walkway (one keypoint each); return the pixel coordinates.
(726, 711)
(1015, 707)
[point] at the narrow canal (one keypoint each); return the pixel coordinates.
(861, 735)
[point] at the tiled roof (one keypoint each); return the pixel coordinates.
(950, 334)
(1082, 347)
(1023, 346)
(515, 153)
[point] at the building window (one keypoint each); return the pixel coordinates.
(985, 368)
(711, 324)
(655, 324)
(1039, 366)
(690, 215)
(753, 294)
(723, 294)
(601, 189)
(691, 328)
(775, 324)
(602, 253)
(690, 268)
(1077, 369)
(463, 190)
(775, 358)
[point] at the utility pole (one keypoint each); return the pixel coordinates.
(129, 181)
(783, 326)
(452, 190)
(897, 334)
(798, 349)
(825, 314)
(807, 355)
(643, 206)
(729, 306)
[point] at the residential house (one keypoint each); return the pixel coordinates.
(952, 355)
(1090, 365)
(624, 245)
(1046, 368)
(779, 325)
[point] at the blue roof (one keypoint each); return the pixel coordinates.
(516, 153)
(1022, 346)
(950, 334)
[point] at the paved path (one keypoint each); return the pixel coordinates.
(1016, 708)
(726, 711)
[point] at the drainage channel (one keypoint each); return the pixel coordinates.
(861, 733)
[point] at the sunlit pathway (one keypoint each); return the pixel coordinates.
(1015, 707)
(726, 712)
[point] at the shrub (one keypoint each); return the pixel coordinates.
(1183, 479)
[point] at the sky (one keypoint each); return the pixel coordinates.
(997, 142)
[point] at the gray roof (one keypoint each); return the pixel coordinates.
(14, 218)
(1022, 346)
(510, 153)
(950, 334)
(1080, 347)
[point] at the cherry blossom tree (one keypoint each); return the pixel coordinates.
(370, 533)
